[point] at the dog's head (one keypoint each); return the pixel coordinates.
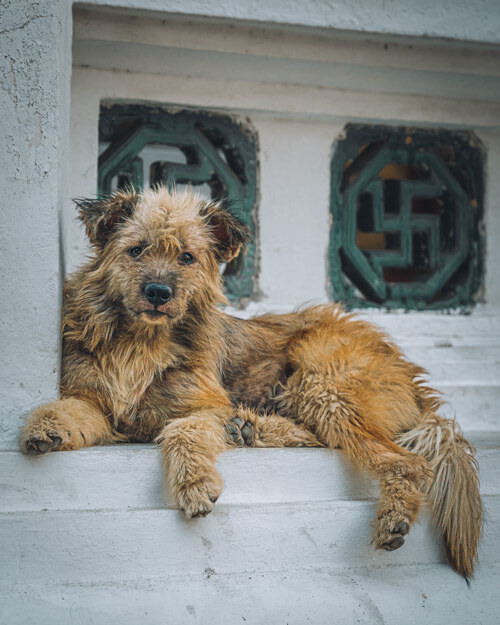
(160, 250)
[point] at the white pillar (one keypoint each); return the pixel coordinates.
(35, 62)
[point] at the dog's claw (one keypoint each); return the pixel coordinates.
(43, 446)
(247, 433)
(56, 442)
(32, 449)
(200, 515)
(234, 434)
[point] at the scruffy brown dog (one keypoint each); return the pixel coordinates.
(148, 356)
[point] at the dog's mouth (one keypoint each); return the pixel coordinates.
(154, 314)
(151, 315)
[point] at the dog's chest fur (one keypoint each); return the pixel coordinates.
(139, 375)
(130, 370)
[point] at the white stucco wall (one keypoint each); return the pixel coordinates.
(298, 89)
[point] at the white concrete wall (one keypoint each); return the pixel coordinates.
(298, 89)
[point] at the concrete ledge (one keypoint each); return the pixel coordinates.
(453, 19)
(87, 538)
(130, 476)
(107, 546)
(365, 595)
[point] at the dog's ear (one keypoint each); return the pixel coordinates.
(101, 216)
(228, 232)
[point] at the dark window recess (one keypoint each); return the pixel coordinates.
(143, 146)
(407, 206)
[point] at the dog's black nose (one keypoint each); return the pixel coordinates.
(157, 294)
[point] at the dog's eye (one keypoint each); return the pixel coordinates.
(136, 251)
(186, 258)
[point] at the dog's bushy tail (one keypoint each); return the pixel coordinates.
(455, 503)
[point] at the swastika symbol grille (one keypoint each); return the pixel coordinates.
(406, 210)
(146, 145)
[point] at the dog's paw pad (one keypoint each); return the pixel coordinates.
(401, 528)
(393, 544)
(38, 446)
(390, 531)
(240, 432)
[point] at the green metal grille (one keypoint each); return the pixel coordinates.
(217, 154)
(407, 209)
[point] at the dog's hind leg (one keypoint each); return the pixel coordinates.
(65, 424)
(339, 420)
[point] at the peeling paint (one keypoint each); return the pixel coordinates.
(37, 136)
(11, 75)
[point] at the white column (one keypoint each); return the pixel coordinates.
(294, 214)
(35, 62)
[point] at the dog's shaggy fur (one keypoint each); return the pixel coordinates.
(149, 356)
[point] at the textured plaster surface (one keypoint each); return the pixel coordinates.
(361, 595)
(280, 547)
(34, 100)
(451, 19)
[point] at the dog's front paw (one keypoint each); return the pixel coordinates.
(44, 432)
(42, 443)
(197, 499)
(240, 432)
